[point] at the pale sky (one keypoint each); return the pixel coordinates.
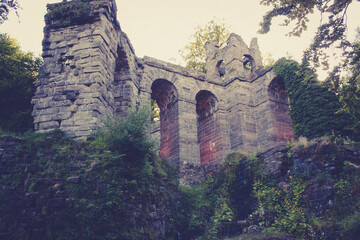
(160, 28)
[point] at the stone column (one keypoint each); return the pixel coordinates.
(189, 147)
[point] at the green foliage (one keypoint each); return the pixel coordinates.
(128, 136)
(351, 226)
(155, 111)
(108, 191)
(346, 195)
(112, 183)
(18, 74)
(194, 53)
(286, 204)
(131, 176)
(268, 60)
(348, 87)
(6, 7)
(313, 108)
(293, 11)
(255, 167)
(267, 234)
(223, 186)
(193, 214)
(72, 13)
(285, 207)
(331, 31)
(346, 210)
(206, 206)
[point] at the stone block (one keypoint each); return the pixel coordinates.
(50, 125)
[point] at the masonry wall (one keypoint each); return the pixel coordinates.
(74, 86)
(91, 72)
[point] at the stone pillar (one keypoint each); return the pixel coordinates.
(243, 135)
(189, 147)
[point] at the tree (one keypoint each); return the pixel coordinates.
(348, 88)
(330, 32)
(314, 109)
(18, 72)
(5, 7)
(194, 53)
(268, 60)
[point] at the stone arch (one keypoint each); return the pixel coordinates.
(220, 68)
(280, 111)
(248, 62)
(208, 127)
(166, 96)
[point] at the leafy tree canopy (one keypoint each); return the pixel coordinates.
(331, 31)
(18, 72)
(5, 7)
(348, 87)
(194, 53)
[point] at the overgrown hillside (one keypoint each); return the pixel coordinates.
(113, 186)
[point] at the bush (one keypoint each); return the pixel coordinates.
(128, 137)
(72, 13)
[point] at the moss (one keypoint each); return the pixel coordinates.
(76, 12)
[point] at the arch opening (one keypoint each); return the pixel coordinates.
(220, 67)
(280, 111)
(248, 62)
(208, 128)
(166, 97)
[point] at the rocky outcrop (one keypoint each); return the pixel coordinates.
(328, 171)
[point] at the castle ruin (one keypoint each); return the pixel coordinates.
(91, 72)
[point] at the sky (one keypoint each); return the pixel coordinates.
(160, 28)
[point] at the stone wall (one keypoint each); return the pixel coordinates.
(91, 73)
(74, 85)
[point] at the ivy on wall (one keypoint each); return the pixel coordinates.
(314, 109)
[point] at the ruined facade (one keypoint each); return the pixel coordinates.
(91, 72)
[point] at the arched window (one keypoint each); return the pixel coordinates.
(248, 62)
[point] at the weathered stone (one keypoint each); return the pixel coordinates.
(72, 179)
(91, 72)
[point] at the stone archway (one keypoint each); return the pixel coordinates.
(208, 127)
(248, 62)
(280, 111)
(166, 97)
